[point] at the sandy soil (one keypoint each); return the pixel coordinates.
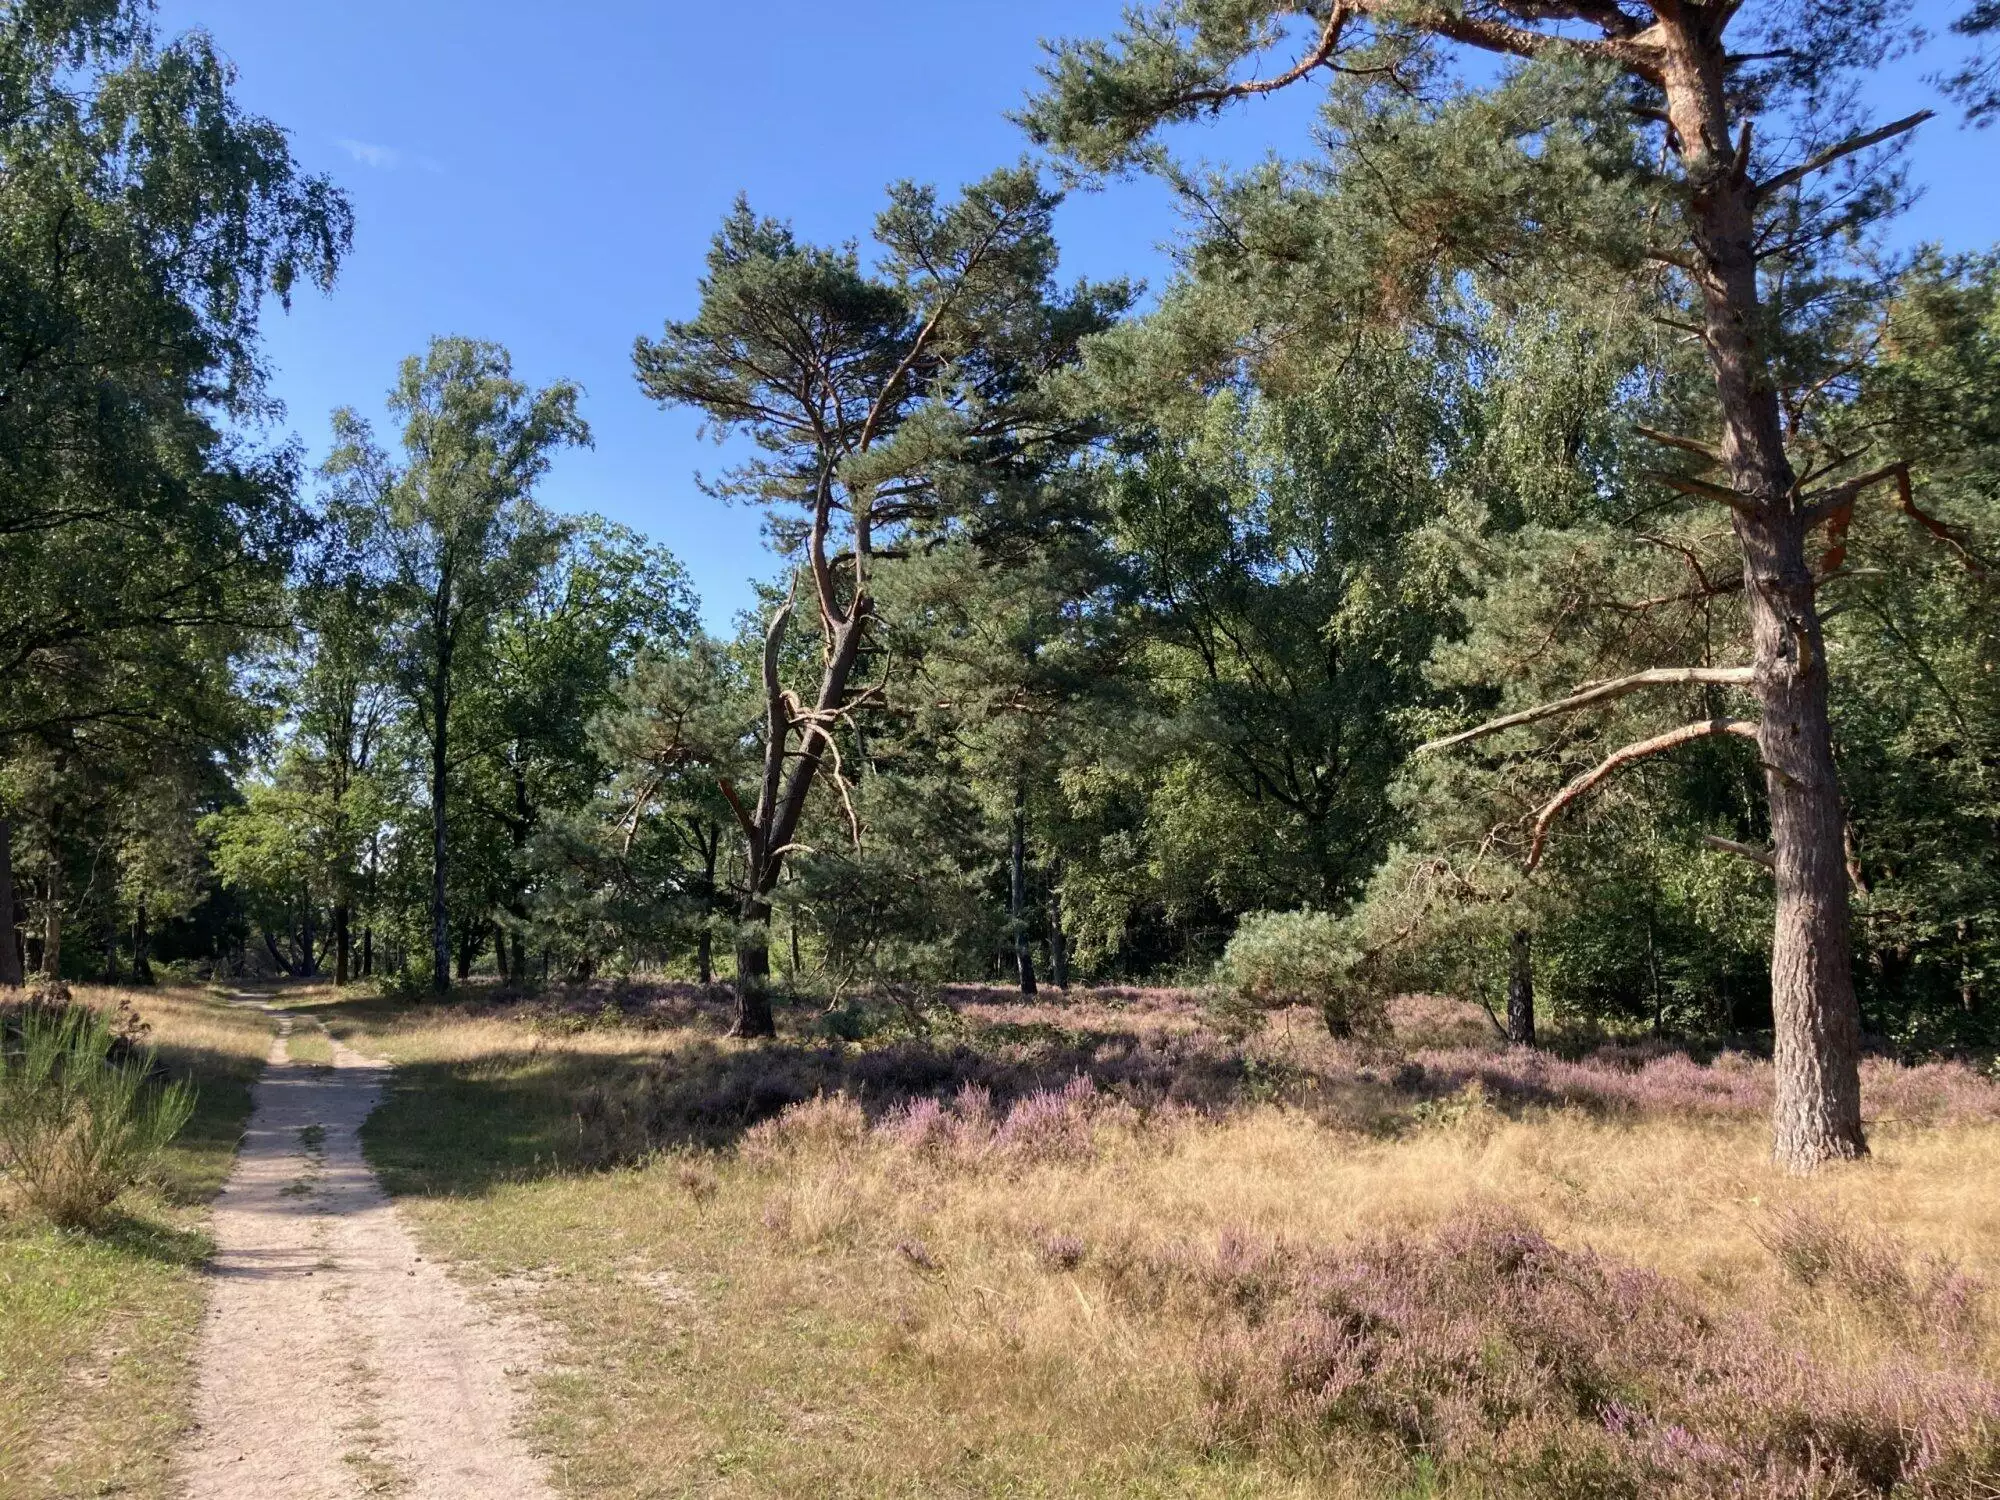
(335, 1360)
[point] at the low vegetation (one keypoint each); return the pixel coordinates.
(99, 1320)
(1102, 1247)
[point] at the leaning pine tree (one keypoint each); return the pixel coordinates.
(1705, 151)
(883, 401)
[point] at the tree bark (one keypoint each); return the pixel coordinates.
(142, 945)
(1521, 988)
(1024, 952)
(470, 944)
(10, 954)
(52, 920)
(753, 970)
(440, 768)
(343, 942)
(309, 956)
(367, 952)
(1817, 1114)
(500, 954)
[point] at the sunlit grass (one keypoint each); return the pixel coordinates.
(828, 1310)
(96, 1329)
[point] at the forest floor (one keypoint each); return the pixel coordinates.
(1101, 1245)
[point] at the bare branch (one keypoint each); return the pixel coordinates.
(1675, 440)
(1600, 692)
(1819, 507)
(1638, 750)
(1701, 489)
(1755, 855)
(1833, 154)
(1320, 56)
(1954, 537)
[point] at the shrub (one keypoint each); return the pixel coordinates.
(81, 1116)
(1283, 958)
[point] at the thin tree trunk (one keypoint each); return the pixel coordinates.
(1024, 952)
(1817, 1113)
(500, 953)
(142, 945)
(10, 954)
(367, 952)
(1521, 989)
(753, 970)
(52, 921)
(309, 960)
(343, 942)
(469, 946)
(711, 847)
(1058, 939)
(440, 912)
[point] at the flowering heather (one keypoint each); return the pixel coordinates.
(1494, 1354)
(1153, 1052)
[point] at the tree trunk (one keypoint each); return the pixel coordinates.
(367, 952)
(1521, 989)
(142, 945)
(1058, 939)
(343, 942)
(1024, 952)
(309, 956)
(10, 954)
(753, 970)
(52, 921)
(440, 912)
(500, 955)
(469, 946)
(111, 953)
(1817, 1114)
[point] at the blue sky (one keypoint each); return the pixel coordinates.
(548, 175)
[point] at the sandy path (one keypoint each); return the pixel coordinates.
(335, 1361)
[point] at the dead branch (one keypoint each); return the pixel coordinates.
(1750, 852)
(1599, 692)
(1675, 440)
(1954, 537)
(1833, 154)
(1638, 750)
(1701, 489)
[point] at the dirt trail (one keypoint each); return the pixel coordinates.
(335, 1361)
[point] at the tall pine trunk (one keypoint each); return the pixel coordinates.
(1024, 952)
(10, 952)
(1817, 1112)
(1521, 988)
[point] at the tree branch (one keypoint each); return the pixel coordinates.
(1674, 440)
(1639, 750)
(1833, 154)
(1322, 53)
(1755, 855)
(1600, 692)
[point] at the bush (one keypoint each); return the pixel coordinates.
(81, 1117)
(1282, 958)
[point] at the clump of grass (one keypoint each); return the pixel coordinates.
(1874, 1270)
(1514, 1362)
(82, 1117)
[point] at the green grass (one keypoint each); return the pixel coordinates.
(97, 1329)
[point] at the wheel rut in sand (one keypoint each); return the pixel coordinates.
(335, 1360)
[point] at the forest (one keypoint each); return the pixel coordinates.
(1535, 554)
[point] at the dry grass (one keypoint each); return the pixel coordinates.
(96, 1329)
(869, 1299)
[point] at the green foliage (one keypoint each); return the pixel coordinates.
(1283, 958)
(81, 1116)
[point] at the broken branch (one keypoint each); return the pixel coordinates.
(1600, 692)
(1833, 154)
(1750, 852)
